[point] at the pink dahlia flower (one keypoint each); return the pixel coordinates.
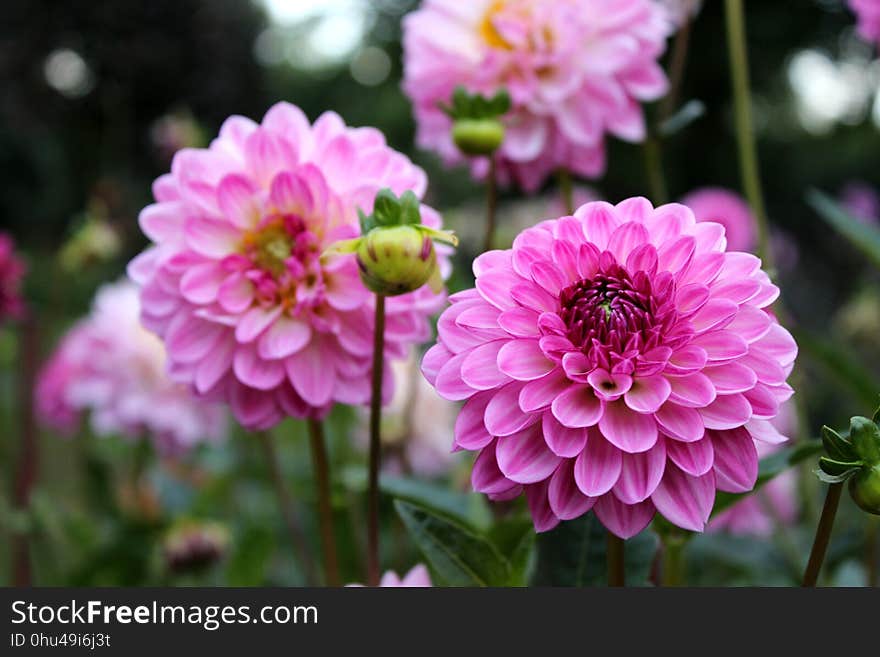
(235, 285)
(109, 365)
(761, 512)
(728, 209)
(868, 14)
(418, 577)
(618, 360)
(575, 69)
(12, 271)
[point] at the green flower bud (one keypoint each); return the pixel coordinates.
(396, 253)
(396, 260)
(478, 136)
(864, 487)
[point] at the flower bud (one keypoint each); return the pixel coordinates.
(478, 136)
(396, 260)
(396, 253)
(864, 487)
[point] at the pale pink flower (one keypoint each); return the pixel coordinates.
(417, 577)
(775, 503)
(12, 272)
(618, 360)
(235, 285)
(868, 14)
(111, 367)
(728, 209)
(575, 70)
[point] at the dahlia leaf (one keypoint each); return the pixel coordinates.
(457, 554)
(515, 538)
(573, 554)
(469, 509)
(864, 237)
(769, 468)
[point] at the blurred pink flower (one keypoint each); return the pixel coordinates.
(868, 14)
(12, 271)
(759, 513)
(728, 209)
(418, 577)
(112, 367)
(618, 360)
(235, 284)
(579, 195)
(575, 70)
(862, 201)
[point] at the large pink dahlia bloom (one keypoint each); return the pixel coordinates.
(113, 368)
(868, 14)
(575, 69)
(235, 285)
(620, 360)
(12, 271)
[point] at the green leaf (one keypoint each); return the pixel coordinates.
(515, 539)
(686, 114)
(864, 237)
(458, 555)
(573, 554)
(769, 468)
(876, 417)
(840, 361)
(837, 447)
(467, 508)
(834, 478)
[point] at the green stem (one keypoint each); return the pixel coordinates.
(823, 535)
(288, 510)
(745, 134)
(566, 189)
(376, 439)
(491, 205)
(673, 560)
(654, 171)
(871, 556)
(615, 560)
(320, 464)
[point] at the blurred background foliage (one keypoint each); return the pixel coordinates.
(97, 95)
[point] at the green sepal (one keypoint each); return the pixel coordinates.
(834, 467)
(366, 222)
(386, 208)
(443, 236)
(836, 446)
(342, 247)
(834, 479)
(409, 209)
(466, 105)
(865, 437)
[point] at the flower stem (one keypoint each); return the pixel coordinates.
(491, 204)
(748, 158)
(677, 62)
(325, 508)
(28, 460)
(376, 429)
(871, 556)
(673, 560)
(615, 560)
(654, 170)
(288, 510)
(823, 535)
(563, 175)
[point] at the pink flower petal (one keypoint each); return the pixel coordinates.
(254, 322)
(486, 477)
(520, 322)
(727, 412)
(236, 294)
(523, 457)
(480, 371)
(693, 390)
(598, 467)
(539, 505)
(470, 430)
(685, 500)
(562, 440)
(694, 458)
(310, 375)
(736, 460)
(503, 416)
(539, 394)
(731, 377)
(564, 496)
(211, 238)
(285, 337)
(236, 196)
(577, 407)
(640, 474)
(630, 431)
(681, 423)
(523, 360)
(256, 372)
(495, 286)
(623, 520)
(648, 393)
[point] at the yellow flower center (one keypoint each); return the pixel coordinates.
(269, 246)
(487, 26)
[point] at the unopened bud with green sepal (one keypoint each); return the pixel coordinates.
(476, 120)
(854, 458)
(395, 253)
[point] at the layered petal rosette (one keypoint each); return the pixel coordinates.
(235, 284)
(619, 360)
(575, 70)
(109, 366)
